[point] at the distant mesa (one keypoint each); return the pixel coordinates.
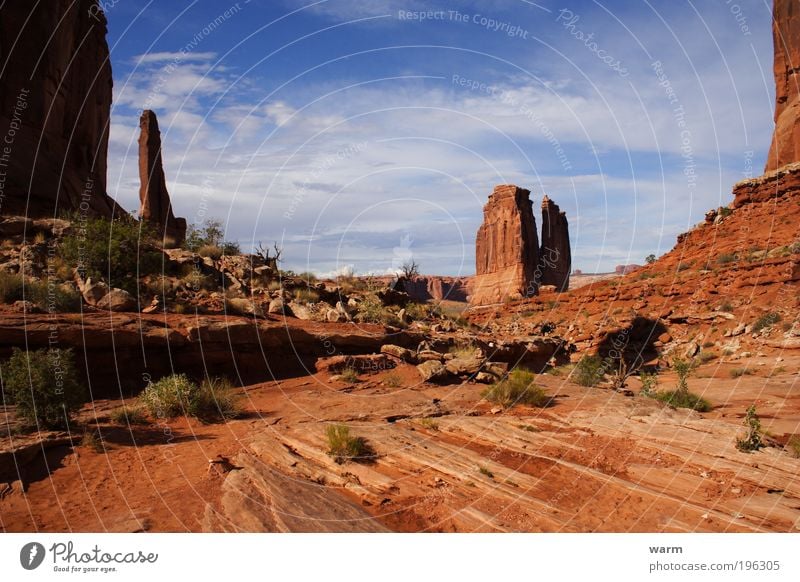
(785, 148)
(55, 93)
(509, 263)
(156, 207)
(625, 269)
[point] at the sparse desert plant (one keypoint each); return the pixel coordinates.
(429, 423)
(517, 388)
(170, 396)
(52, 297)
(309, 277)
(589, 371)
(90, 440)
(684, 399)
(726, 307)
(486, 472)
(683, 368)
(44, 385)
(213, 252)
(752, 441)
(129, 416)
(528, 428)
(739, 372)
(306, 295)
(349, 375)
(706, 357)
(417, 311)
(371, 310)
(463, 350)
(766, 320)
(10, 287)
(393, 380)
(215, 400)
(724, 211)
(726, 258)
(793, 446)
(212, 235)
(344, 447)
(649, 384)
(274, 286)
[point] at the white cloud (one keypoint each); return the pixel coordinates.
(175, 57)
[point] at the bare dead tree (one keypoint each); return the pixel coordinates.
(409, 270)
(264, 254)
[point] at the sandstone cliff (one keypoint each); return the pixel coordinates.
(785, 147)
(555, 255)
(156, 207)
(55, 91)
(506, 248)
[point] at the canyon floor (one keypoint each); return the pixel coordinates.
(445, 460)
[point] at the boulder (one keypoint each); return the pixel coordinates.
(429, 356)
(93, 291)
(300, 311)
(369, 363)
(398, 352)
(432, 371)
(334, 316)
(15, 226)
(464, 366)
(117, 300)
(279, 307)
(242, 306)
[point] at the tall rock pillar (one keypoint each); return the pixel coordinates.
(555, 255)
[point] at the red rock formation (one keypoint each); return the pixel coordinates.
(555, 254)
(785, 148)
(427, 288)
(506, 248)
(55, 92)
(156, 207)
(782, 182)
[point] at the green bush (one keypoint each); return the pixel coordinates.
(649, 384)
(766, 320)
(53, 297)
(213, 252)
(170, 396)
(752, 441)
(128, 416)
(44, 386)
(209, 237)
(371, 310)
(684, 399)
(343, 447)
(119, 251)
(726, 258)
(349, 375)
(589, 371)
(517, 388)
(305, 295)
(683, 368)
(10, 287)
(215, 400)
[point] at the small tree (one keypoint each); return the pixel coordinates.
(752, 440)
(650, 259)
(683, 368)
(409, 270)
(44, 386)
(270, 260)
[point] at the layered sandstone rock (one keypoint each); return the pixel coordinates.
(782, 182)
(156, 207)
(434, 288)
(506, 248)
(555, 254)
(785, 147)
(55, 93)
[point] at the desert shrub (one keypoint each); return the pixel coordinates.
(649, 384)
(274, 286)
(195, 280)
(683, 368)
(213, 252)
(739, 372)
(464, 350)
(371, 310)
(215, 400)
(343, 447)
(766, 320)
(517, 388)
(170, 396)
(52, 297)
(752, 441)
(10, 287)
(231, 248)
(726, 258)
(350, 375)
(308, 277)
(486, 472)
(705, 357)
(417, 311)
(684, 399)
(393, 380)
(305, 295)
(726, 307)
(90, 440)
(793, 446)
(117, 251)
(724, 211)
(209, 233)
(128, 416)
(44, 385)
(589, 371)
(429, 423)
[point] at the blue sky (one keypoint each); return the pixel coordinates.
(359, 134)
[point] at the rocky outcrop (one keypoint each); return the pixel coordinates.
(55, 93)
(555, 254)
(782, 182)
(506, 248)
(156, 207)
(785, 148)
(433, 288)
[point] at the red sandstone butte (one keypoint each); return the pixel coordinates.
(785, 148)
(506, 248)
(555, 256)
(156, 207)
(55, 103)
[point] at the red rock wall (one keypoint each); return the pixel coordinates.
(55, 91)
(433, 288)
(156, 206)
(506, 248)
(555, 255)
(785, 148)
